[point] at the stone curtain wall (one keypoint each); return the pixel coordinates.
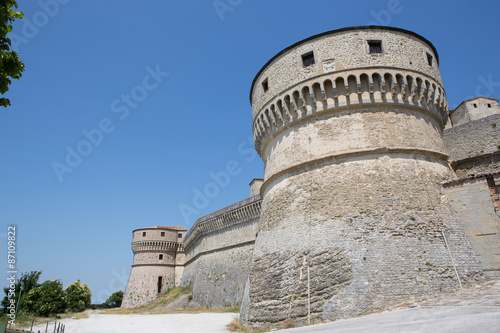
(218, 252)
(475, 145)
(472, 201)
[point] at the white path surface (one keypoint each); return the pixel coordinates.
(440, 319)
(169, 323)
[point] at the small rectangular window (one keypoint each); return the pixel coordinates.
(489, 105)
(475, 105)
(265, 85)
(429, 59)
(144, 234)
(163, 234)
(160, 256)
(308, 59)
(375, 46)
(179, 236)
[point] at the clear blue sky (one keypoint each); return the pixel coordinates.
(88, 67)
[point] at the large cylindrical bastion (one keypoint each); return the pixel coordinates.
(349, 126)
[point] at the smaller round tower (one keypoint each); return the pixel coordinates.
(158, 263)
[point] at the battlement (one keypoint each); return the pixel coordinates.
(228, 217)
(345, 90)
(157, 246)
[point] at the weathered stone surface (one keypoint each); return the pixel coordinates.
(217, 279)
(391, 239)
(473, 205)
(281, 284)
(474, 146)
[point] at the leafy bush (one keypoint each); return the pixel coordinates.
(115, 300)
(46, 299)
(78, 296)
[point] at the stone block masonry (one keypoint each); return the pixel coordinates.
(475, 146)
(475, 206)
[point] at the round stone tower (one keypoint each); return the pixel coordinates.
(158, 263)
(349, 126)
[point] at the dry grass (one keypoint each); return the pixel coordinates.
(158, 306)
(162, 310)
(236, 326)
(24, 321)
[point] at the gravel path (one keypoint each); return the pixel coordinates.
(171, 323)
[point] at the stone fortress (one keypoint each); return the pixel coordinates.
(374, 193)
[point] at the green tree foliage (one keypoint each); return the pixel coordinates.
(78, 296)
(115, 300)
(11, 66)
(30, 283)
(46, 299)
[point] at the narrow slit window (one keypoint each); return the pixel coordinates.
(375, 46)
(160, 283)
(429, 59)
(265, 85)
(308, 59)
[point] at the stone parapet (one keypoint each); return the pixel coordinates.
(157, 246)
(345, 90)
(230, 216)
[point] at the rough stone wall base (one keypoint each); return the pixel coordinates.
(367, 248)
(217, 279)
(142, 286)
